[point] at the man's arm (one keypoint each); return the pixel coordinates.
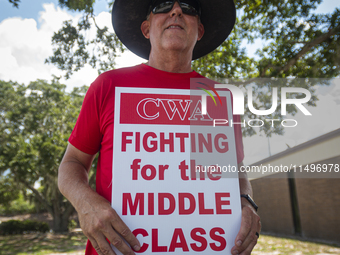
(97, 219)
(246, 238)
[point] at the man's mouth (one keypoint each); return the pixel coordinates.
(174, 27)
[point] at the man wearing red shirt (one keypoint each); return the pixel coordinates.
(170, 34)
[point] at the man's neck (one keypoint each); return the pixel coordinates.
(172, 62)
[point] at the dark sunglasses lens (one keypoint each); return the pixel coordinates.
(188, 9)
(163, 7)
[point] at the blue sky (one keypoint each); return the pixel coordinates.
(26, 10)
(29, 9)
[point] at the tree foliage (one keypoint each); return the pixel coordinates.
(8, 190)
(35, 123)
(73, 49)
(297, 42)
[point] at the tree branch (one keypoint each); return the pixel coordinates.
(297, 42)
(39, 196)
(263, 73)
(307, 47)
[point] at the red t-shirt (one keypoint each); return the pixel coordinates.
(93, 131)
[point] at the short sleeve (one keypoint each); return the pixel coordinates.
(86, 135)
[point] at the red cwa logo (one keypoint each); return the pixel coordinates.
(169, 109)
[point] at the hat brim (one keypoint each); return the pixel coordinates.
(218, 18)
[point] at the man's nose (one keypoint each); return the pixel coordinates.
(176, 10)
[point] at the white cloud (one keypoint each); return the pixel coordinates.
(25, 45)
(104, 19)
(52, 18)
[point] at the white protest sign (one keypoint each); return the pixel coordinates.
(162, 188)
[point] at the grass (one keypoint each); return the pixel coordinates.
(42, 244)
(276, 245)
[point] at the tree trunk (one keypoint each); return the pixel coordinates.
(61, 216)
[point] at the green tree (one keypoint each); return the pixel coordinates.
(8, 190)
(35, 123)
(297, 43)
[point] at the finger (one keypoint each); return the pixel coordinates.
(248, 244)
(246, 225)
(251, 238)
(250, 247)
(123, 230)
(101, 247)
(117, 241)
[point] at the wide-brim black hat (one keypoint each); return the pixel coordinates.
(218, 18)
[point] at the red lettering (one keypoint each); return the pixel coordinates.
(151, 199)
(202, 209)
(220, 239)
(162, 169)
(125, 140)
(183, 168)
(163, 142)
(153, 143)
(127, 200)
(193, 171)
(140, 231)
(213, 171)
(199, 239)
(134, 167)
(145, 175)
(220, 202)
(161, 204)
(178, 240)
(181, 203)
(137, 145)
(155, 247)
(202, 141)
(182, 137)
(224, 144)
(178, 233)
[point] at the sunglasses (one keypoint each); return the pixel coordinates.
(190, 7)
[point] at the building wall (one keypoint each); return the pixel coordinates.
(319, 205)
(272, 197)
(318, 201)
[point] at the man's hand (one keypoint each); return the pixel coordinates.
(100, 223)
(246, 238)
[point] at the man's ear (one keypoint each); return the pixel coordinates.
(145, 27)
(200, 31)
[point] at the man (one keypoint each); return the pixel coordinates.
(171, 34)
